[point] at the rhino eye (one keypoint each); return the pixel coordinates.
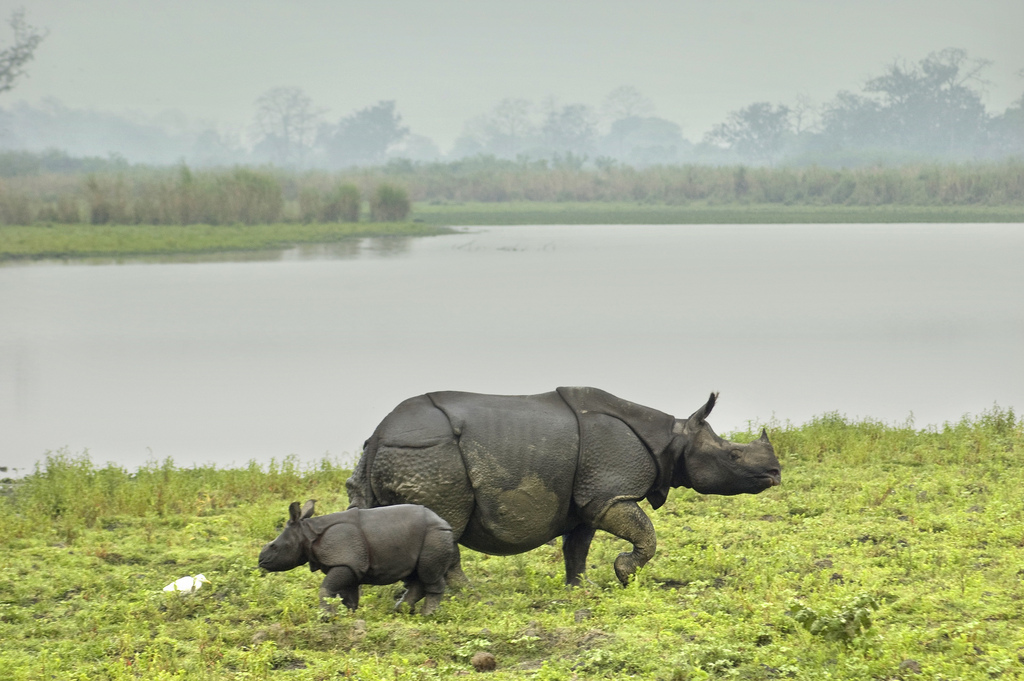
(735, 454)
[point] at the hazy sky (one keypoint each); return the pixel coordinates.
(444, 61)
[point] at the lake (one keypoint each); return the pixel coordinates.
(304, 351)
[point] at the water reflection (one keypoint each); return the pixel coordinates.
(383, 246)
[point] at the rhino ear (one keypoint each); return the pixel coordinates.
(293, 512)
(701, 414)
(307, 509)
(764, 436)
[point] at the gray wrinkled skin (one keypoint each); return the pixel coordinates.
(368, 546)
(510, 473)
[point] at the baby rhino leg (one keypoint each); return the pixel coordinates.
(432, 587)
(437, 555)
(340, 582)
(413, 594)
(433, 600)
(417, 589)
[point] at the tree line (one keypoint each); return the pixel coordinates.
(929, 110)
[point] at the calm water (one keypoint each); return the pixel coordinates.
(305, 352)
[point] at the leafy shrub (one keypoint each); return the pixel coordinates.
(389, 204)
(845, 624)
(343, 204)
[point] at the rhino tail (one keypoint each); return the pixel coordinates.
(360, 492)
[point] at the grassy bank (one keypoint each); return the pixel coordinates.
(80, 240)
(116, 241)
(701, 213)
(887, 552)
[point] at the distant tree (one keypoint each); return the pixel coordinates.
(506, 131)
(1008, 130)
(626, 102)
(570, 129)
(415, 148)
(363, 137)
(928, 107)
(852, 120)
(287, 122)
(933, 105)
(643, 140)
(510, 129)
(803, 115)
(213, 148)
(758, 132)
(49, 124)
(14, 58)
(468, 144)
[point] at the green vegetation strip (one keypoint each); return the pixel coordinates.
(595, 213)
(888, 552)
(76, 241)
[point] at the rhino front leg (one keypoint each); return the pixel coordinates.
(455, 575)
(575, 547)
(626, 521)
(340, 581)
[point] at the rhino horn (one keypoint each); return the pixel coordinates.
(764, 435)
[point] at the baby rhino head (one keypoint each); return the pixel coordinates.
(287, 551)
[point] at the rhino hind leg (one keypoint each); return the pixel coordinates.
(575, 547)
(341, 582)
(625, 520)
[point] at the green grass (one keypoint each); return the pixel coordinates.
(43, 241)
(615, 213)
(886, 550)
(78, 241)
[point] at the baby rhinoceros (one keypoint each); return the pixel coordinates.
(367, 546)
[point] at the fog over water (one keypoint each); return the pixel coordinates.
(305, 352)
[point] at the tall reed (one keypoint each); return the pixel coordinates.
(139, 195)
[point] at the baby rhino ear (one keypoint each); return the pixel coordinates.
(293, 512)
(307, 509)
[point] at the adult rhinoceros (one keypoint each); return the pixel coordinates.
(510, 473)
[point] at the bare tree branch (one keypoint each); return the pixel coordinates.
(287, 121)
(14, 58)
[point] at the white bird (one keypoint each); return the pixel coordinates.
(189, 584)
